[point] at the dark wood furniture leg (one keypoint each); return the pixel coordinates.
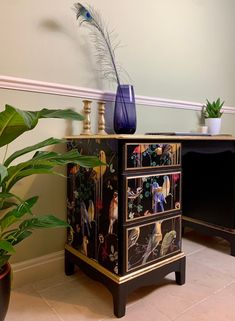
(120, 291)
(119, 294)
(180, 275)
(69, 266)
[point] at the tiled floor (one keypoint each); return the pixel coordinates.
(209, 292)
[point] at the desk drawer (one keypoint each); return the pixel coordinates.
(152, 155)
(152, 194)
(148, 243)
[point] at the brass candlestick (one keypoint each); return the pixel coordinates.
(87, 120)
(101, 119)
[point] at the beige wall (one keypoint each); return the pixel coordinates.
(180, 49)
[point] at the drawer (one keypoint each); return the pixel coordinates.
(151, 242)
(152, 155)
(152, 194)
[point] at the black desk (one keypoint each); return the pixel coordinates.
(208, 186)
(208, 183)
(118, 255)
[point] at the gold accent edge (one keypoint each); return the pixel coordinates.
(152, 137)
(125, 278)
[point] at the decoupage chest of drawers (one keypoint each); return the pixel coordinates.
(125, 215)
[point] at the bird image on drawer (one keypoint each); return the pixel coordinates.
(152, 194)
(152, 241)
(149, 155)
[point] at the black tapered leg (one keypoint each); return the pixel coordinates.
(182, 231)
(180, 275)
(233, 247)
(119, 300)
(69, 266)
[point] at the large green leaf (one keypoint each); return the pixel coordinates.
(44, 143)
(3, 173)
(43, 163)
(60, 113)
(14, 122)
(42, 222)
(87, 161)
(25, 228)
(72, 156)
(3, 260)
(37, 169)
(7, 200)
(6, 205)
(17, 236)
(6, 246)
(9, 195)
(33, 171)
(14, 215)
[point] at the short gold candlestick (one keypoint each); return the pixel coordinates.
(101, 119)
(87, 120)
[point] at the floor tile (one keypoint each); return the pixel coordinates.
(219, 306)
(142, 312)
(216, 259)
(56, 280)
(195, 240)
(209, 292)
(172, 299)
(82, 299)
(189, 246)
(27, 305)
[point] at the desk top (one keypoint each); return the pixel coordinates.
(156, 137)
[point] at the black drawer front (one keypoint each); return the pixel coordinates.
(152, 194)
(151, 155)
(151, 242)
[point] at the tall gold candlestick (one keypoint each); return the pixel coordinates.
(101, 119)
(87, 120)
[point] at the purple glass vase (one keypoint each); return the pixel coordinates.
(124, 120)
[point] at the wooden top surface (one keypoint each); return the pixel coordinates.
(155, 137)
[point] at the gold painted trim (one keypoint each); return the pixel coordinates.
(175, 138)
(154, 214)
(125, 278)
(152, 222)
(155, 174)
(145, 224)
(178, 156)
(215, 227)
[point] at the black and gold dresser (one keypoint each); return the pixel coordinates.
(126, 216)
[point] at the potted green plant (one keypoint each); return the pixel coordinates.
(212, 114)
(17, 220)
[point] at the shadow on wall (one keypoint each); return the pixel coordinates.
(69, 127)
(81, 45)
(51, 25)
(109, 112)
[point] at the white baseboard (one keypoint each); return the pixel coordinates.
(36, 269)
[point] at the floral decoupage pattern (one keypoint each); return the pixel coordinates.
(152, 194)
(93, 203)
(152, 155)
(153, 241)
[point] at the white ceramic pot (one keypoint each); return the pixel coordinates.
(214, 125)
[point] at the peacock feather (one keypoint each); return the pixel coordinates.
(105, 49)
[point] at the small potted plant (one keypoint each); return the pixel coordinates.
(212, 114)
